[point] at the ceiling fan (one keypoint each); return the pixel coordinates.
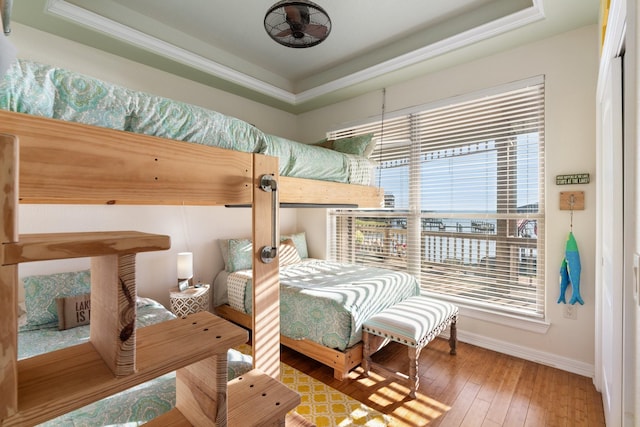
(297, 24)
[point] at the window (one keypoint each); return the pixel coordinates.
(464, 194)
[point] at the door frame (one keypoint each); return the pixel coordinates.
(621, 39)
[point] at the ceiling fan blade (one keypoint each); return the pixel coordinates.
(285, 33)
(315, 30)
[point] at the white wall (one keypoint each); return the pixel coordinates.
(570, 64)
(191, 228)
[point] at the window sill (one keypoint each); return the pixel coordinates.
(511, 320)
(531, 325)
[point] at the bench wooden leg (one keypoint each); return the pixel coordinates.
(366, 353)
(453, 337)
(370, 344)
(414, 377)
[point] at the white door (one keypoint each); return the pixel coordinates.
(609, 288)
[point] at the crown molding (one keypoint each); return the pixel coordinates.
(480, 33)
(137, 38)
(124, 33)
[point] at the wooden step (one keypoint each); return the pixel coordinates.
(173, 418)
(256, 399)
(43, 247)
(58, 382)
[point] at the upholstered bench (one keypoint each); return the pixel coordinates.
(413, 322)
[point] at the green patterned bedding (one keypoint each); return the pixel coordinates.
(57, 93)
(131, 407)
(327, 302)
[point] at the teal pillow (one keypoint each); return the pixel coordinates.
(370, 147)
(357, 145)
(313, 162)
(300, 240)
(237, 254)
(325, 143)
(41, 293)
(288, 253)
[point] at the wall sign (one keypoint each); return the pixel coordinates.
(576, 178)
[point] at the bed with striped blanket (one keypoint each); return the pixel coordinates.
(324, 301)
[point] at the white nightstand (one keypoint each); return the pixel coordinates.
(189, 301)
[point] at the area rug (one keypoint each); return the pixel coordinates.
(327, 407)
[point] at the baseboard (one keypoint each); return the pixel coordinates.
(527, 353)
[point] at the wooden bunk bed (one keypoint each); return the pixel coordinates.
(51, 161)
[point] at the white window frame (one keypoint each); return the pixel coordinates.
(388, 127)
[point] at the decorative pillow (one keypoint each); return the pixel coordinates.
(73, 311)
(41, 293)
(237, 254)
(288, 253)
(325, 143)
(238, 363)
(362, 171)
(300, 240)
(328, 165)
(22, 314)
(368, 151)
(357, 145)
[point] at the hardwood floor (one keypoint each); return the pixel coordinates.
(477, 387)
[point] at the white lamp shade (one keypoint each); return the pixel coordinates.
(7, 53)
(185, 265)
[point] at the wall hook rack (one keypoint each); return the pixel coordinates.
(572, 200)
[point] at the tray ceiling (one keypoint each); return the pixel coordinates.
(372, 43)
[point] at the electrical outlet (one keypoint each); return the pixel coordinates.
(570, 312)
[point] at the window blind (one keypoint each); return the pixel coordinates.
(464, 199)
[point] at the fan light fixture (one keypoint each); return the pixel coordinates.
(297, 24)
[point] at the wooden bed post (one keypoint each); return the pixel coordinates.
(9, 279)
(266, 283)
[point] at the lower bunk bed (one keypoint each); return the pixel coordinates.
(323, 304)
(39, 332)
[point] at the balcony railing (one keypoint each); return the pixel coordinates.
(472, 261)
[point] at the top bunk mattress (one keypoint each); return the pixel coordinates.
(53, 92)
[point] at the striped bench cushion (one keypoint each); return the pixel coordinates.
(414, 321)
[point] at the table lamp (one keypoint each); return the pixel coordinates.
(185, 270)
